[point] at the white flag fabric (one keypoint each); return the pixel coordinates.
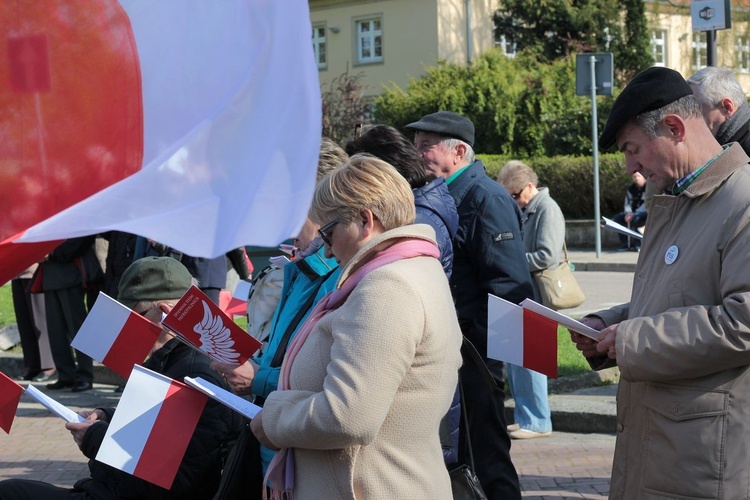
(116, 336)
(152, 427)
(231, 129)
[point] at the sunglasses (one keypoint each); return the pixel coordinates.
(323, 232)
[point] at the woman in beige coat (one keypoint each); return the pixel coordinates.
(373, 370)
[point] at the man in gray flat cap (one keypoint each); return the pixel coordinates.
(488, 257)
(683, 342)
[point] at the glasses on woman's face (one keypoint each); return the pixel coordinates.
(324, 232)
(517, 195)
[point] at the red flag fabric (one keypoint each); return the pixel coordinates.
(72, 116)
(539, 343)
(10, 395)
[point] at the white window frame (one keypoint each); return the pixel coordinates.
(370, 36)
(743, 54)
(699, 55)
(320, 40)
(507, 47)
(658, 44)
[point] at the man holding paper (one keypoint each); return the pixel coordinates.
(682, 344)
(150, 286)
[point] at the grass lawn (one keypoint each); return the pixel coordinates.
(7, 316)
(570, 361)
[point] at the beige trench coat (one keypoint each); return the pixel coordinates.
(683, 404)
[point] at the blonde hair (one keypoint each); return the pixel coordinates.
(365, 182)
(331, 156)
(516, 175)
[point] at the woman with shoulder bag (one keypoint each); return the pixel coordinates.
(543, 238)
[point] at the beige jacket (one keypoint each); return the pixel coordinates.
(683, 404)
(371, 383)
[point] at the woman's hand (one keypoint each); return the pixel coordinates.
(239, 378)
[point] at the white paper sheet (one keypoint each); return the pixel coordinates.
(58, 409)
(561, 319)
(238, 404)
(619, 228)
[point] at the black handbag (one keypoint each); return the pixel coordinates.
(242, 476)
(464, 482)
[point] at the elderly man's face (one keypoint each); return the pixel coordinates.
(439, 160)
(655, 159)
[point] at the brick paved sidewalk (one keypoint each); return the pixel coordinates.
(564, 465)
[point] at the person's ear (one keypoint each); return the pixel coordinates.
(460, 151)
(727, 107)
(368, 221)
(676, 127)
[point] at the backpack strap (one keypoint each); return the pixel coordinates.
(278, 356)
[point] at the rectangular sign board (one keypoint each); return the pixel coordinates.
(710, 15)
(604, 73)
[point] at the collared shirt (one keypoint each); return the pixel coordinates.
(457, 173)
(681, 185)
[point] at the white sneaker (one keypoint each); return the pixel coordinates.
(527, 434)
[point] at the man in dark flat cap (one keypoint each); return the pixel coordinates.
(488, 257)
(683, 342)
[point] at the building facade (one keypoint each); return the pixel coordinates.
(393, 41)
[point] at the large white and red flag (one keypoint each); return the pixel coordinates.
(194, 123)
(116, 336)
(10, 395)
(152, 427)
(521, 336)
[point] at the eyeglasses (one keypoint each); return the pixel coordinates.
(144, 312)
(323, 232)
(517, 195)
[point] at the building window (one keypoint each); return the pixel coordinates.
(369, 40)
(506, 44)
(700, 51)
(659, 47)
(319, 45)
(743, 54)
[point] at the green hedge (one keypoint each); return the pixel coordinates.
(571, 181)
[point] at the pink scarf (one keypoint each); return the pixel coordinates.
(281, 469)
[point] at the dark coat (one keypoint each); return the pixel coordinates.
(60, 271)
(743, 137)
(200, 471)
(436, 207)
(488, 252)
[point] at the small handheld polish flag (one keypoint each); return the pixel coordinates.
(116, 336)
(236, 303)
(152, 427)
(521, 337)
(10, 395)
